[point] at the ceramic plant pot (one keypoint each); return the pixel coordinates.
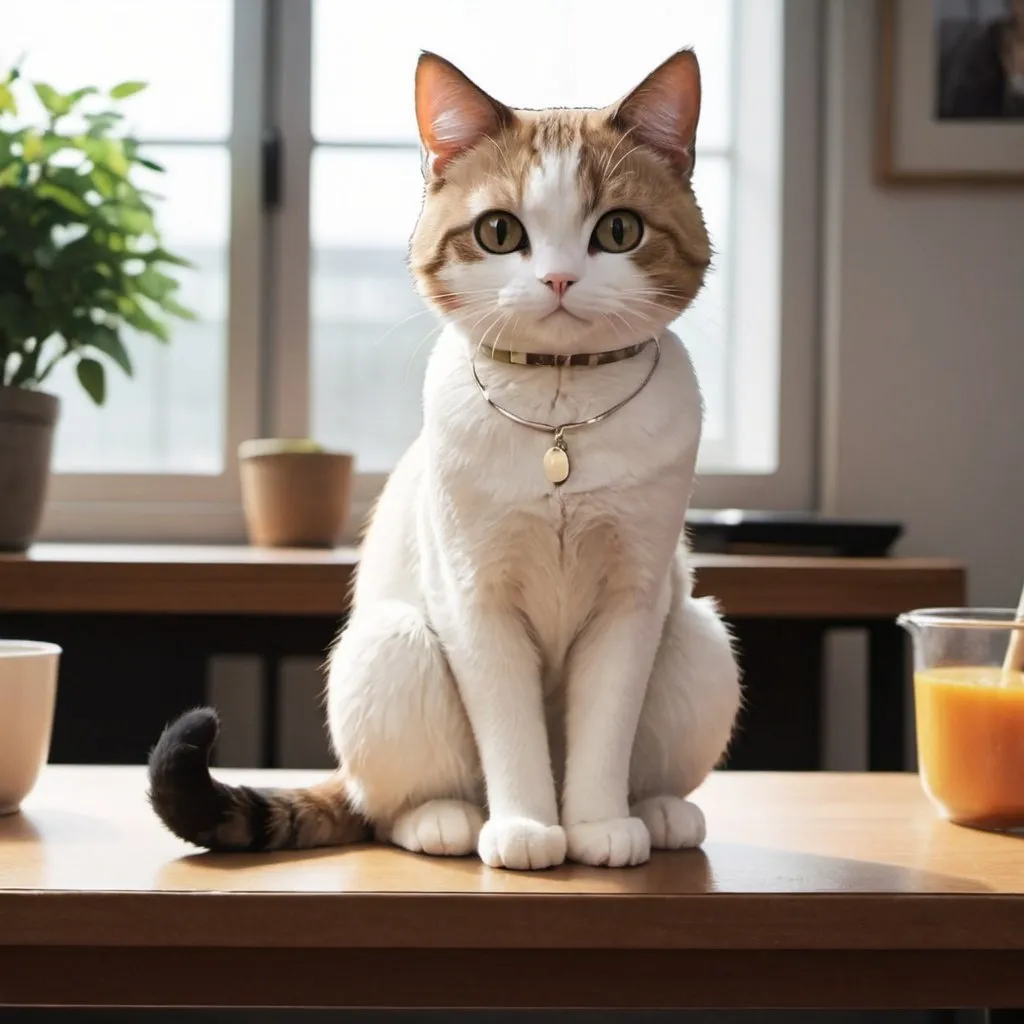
(294, 498)
(27, 422)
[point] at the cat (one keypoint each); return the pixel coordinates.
(525, 672)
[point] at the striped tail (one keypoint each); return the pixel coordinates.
(202, 811)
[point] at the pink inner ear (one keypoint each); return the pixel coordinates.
(452, 112)
(663, 110)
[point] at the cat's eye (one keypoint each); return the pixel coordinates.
(617, 231)
(500, 233)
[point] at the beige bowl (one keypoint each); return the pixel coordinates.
(295, 498)
(28, 693)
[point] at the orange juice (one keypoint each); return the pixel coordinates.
(970, 738)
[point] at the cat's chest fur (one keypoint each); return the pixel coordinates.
(559, 555)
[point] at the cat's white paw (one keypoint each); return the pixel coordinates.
(442, 828)
(521, 844)
(615, 843)
(674, 824)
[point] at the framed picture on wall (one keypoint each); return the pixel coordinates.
(951, 92)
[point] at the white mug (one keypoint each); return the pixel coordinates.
(28, 693)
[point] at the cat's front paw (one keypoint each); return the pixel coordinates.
(521, 844)
(615, 843)
(674, 824)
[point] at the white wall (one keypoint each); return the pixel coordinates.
(923, 406)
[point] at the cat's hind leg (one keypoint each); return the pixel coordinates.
(401, 733)
(687, 719)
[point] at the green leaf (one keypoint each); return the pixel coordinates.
(160, 255)
(8, 104)
(93, 378)
(107, 153)
(11, 174)
(126, 89)
(142, 321)
(54, 143)
(174, 308)
(104, 181)
(100, 124)
(151, 164)
(32, 147)
(116, 159)
(155, 285)
(63, 196)
(131, 220)
(55, 103)
(79, 94)
(108, 341)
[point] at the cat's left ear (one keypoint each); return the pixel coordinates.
(452, 112)
(663, 110)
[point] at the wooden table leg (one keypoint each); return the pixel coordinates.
(886, 697)
(269, 726)
(780, 726)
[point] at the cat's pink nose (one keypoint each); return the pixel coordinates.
(559, 283)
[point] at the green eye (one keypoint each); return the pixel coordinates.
(618, 231)
(500, 233)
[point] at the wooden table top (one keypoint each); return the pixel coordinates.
(823, 876)
(802, 855)
(240, 580)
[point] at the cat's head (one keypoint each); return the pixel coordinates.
(572, 230)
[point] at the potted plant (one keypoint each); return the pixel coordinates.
(81, 262)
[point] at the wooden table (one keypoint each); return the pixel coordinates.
(121, 611)
(235, 580)
(813, 890)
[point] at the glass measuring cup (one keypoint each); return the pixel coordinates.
(969, 714)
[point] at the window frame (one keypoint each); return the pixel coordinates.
(792, 485)
(269, 282)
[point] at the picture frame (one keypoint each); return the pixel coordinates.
(942, 120)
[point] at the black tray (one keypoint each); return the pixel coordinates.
(746, 531)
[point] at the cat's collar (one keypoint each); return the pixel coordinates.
(615, 355)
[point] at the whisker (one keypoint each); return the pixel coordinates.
(629, 311)
(429, 336)
(401, 323)
(504, 156)
(657, 305)
(494, 312)
(498, 336)
(460, 294)
(607, 317)
(611, 155)
(624, 156)
(497, 323)
(429, 310)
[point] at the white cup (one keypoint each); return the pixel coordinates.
(28, 693)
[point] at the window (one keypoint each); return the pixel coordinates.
(170, 417)
(369, 346)
(309, 323)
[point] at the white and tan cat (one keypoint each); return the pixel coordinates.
(525, 671)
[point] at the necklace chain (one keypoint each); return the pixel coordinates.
(560, 473)
(559, 428)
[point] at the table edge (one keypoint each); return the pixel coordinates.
(433, 920)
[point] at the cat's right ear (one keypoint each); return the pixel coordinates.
(452, 112)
